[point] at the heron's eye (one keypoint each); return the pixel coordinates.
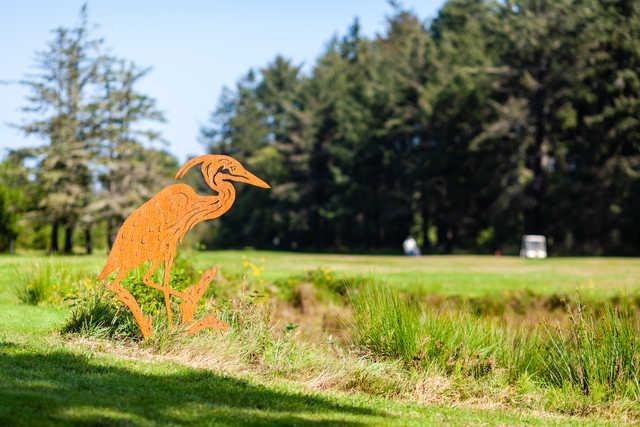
(225, 170)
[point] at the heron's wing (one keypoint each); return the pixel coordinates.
(147, 233)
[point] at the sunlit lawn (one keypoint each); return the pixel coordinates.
(465, 275)
(469, 275)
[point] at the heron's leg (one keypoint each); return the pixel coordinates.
(207, 322)
(188, 306)
(144, 323)
(167, 289)
(148, 281)
(193, 294)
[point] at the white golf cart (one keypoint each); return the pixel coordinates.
(533, 246)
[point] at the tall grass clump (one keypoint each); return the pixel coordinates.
(461, 343)
(599, 355)
(384, 323)
(453, 342)
(97, 315)
(45, 280)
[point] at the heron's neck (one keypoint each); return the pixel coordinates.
(209, 207)
(226, 193)
(222, 202)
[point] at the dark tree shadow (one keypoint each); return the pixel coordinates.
(61, 388)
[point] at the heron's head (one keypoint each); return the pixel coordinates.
(217, 168)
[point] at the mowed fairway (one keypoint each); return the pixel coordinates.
(453, 275)
(450, 275)
(45, 379)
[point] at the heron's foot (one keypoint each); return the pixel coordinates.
(145, 326)
(192, 295)
(124, 296)
(209, 321)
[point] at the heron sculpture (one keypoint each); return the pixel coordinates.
(154, 230)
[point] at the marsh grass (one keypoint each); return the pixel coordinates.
(598, 355)
(385, 323)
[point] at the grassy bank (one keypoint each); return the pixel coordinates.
(302, 336)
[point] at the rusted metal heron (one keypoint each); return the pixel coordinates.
(154, 230)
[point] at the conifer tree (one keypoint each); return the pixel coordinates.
(59, 100)
(130, 170)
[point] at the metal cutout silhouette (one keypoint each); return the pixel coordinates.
(154, 230)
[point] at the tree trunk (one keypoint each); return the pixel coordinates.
(534, 217)
(110, 234)
(53, 243)
(88, 243)
(426, 220)
(68, 239)
(446, 236)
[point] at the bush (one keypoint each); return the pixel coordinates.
(100, 314)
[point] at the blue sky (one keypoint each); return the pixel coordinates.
(195, 47)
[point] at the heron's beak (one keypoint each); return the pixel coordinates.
(249, 178)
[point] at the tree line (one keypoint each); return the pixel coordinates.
(492, 120)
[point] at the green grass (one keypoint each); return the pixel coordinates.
(385, 323)
(44, 384)
(452, 275)
(43, 278)
(598, 355)
(99, 315)
(45, 379)
(448, 275)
